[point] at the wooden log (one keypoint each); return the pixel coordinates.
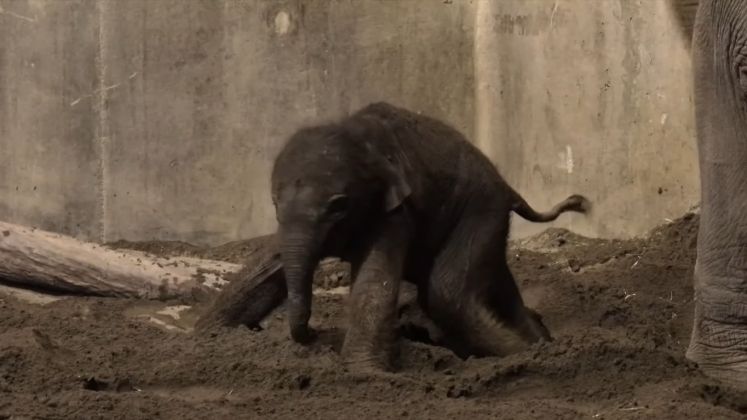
(42, 260)
(251, 295)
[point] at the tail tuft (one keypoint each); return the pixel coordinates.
(577, 203)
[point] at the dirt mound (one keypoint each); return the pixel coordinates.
(620, 312)
(234, 252)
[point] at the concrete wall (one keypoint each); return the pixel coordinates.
(147, 119)
(590, 97)
(144, 119)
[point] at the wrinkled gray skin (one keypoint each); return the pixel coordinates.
(400, 195)
(719, 58)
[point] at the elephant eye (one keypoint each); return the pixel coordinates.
(338, 204)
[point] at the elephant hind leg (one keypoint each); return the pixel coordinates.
(473, 297)
(525, 322)
(495, 319)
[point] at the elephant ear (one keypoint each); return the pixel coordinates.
(397, 187)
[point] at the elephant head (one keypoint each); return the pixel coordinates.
(327, 183)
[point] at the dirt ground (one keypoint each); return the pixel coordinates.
(620, 312)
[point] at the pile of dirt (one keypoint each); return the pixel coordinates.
(236, 252)
(620, 312)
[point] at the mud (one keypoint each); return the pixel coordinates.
(621, 313)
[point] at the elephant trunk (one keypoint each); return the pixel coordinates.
(299, 253)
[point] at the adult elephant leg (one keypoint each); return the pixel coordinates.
(719, 337)
(371, 338)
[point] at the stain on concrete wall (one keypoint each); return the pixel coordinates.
(587, 97)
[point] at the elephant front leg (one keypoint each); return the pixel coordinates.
(370, 342)
(719, 337)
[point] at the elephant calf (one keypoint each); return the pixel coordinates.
(401, 195)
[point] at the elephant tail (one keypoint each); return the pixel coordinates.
(577, 203)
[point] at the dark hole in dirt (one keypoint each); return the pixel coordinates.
(93, 384)
(415, 333)
(726, 398)
(98, 385)
(304, 381)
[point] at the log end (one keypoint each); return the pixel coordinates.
(250, 295)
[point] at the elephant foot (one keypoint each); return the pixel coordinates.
(368, 364)
(361, 355)
(719, 341)
(303, 334)
(368, 361)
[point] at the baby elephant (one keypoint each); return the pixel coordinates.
(403, 196)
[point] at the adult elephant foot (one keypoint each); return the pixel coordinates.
(719, 349)
(718, 343)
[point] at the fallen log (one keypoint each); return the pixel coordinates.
(251, 294)
(46, 261)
